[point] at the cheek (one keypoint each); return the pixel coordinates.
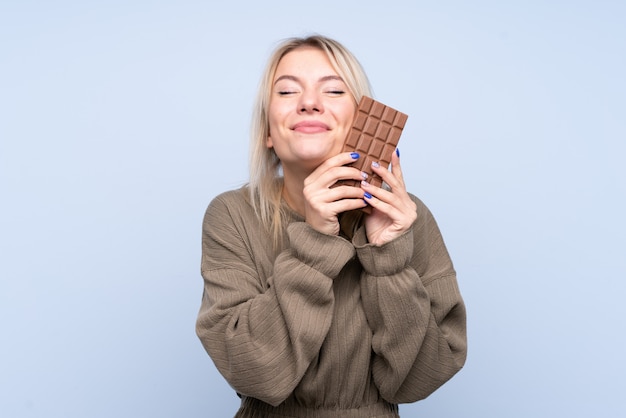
(347, 113)
(271, 119)
(275, 117)
(348, 118)
(275, 122)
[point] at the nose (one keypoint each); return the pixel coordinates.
(310, 102)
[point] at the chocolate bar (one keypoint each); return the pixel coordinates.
(374, 134)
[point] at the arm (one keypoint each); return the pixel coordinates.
(415, 310)
(262, 335)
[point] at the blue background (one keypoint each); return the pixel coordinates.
(121, 120)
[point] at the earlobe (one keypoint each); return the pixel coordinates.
(269, 143)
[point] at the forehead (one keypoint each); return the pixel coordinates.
(305, 59)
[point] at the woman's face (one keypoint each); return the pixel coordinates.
(310, 110)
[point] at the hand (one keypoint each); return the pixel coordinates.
(393, 211)
(323, 203)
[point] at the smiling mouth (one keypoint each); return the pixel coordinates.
(310, 127)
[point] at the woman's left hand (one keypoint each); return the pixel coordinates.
(393, 211)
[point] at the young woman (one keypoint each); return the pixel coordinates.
(302, 316)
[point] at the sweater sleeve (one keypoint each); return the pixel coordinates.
(415, 310)
(263, 336)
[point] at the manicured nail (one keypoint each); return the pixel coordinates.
(363, 174)
(367, 195)
(398, 152)
(364, 183)
(375, 164)
(355, 155)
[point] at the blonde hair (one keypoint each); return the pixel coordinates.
(265, 183)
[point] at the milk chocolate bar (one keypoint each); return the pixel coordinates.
(374, 134)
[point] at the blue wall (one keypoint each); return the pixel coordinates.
(121, 120)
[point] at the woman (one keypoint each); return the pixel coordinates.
(305, 318)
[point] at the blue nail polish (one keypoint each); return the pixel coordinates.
(398, 152)
(355, 155)
(367, 195)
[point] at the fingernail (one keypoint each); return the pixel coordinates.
(363, 174)
(375, 164)
(367, 195)
(398, 152)
(355, 155)
(364, 183)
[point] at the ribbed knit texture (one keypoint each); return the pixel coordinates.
(325, 327)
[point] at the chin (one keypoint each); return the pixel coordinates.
(312, 162)
(306, 162)
(313, 154)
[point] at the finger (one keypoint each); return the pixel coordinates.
(341, 193)
(378, 193)
(389, 177)
(346, 205)
(324, 210)
(401, 210)
(320, 198)
(371, 196)
(330, 177)
(396, 169)
(338, 160)
(397, 197)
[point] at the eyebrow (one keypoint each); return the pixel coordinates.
(322, 79)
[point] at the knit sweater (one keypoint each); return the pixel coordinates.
(325, 326)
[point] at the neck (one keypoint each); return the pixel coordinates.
(293, 186)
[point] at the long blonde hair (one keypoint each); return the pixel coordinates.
(265, 181)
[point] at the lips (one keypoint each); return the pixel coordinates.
(310, 127)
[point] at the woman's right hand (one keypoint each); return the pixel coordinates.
(323, 203)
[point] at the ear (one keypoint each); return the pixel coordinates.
(268, 142)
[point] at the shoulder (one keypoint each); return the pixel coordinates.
(232, 197)
(425, 224)
(421, 208)
(230, 204)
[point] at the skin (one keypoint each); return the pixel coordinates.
(310, 114)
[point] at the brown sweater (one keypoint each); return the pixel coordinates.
(326, 327)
